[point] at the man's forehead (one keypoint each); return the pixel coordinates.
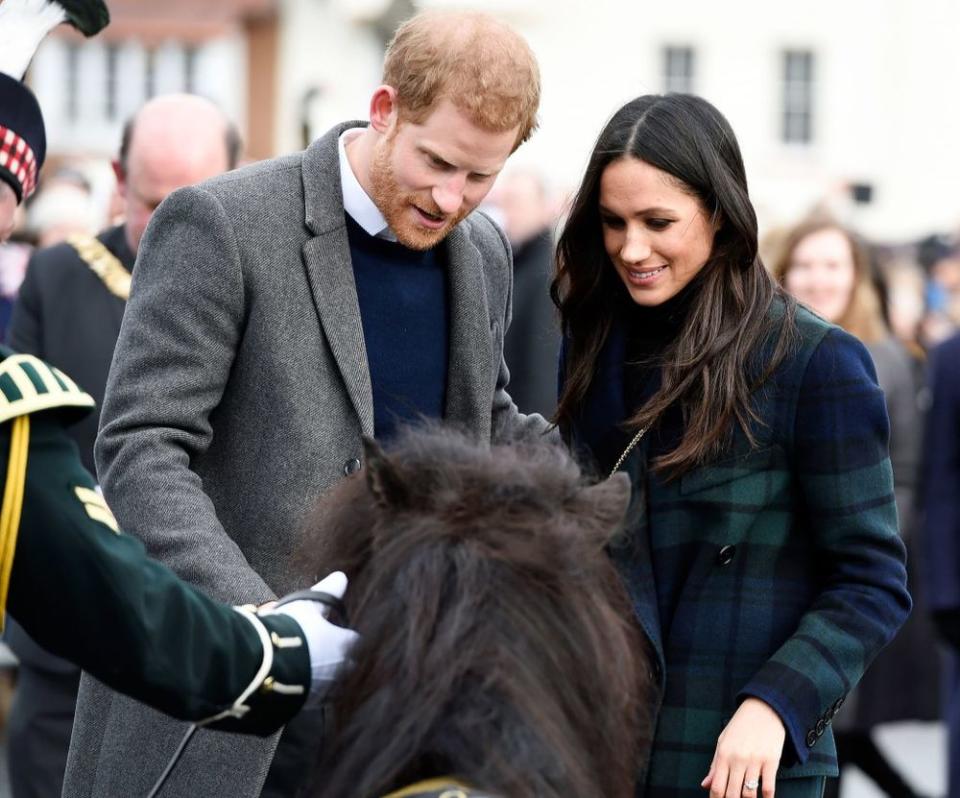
(450, 134)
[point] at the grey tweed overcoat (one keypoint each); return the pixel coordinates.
(238, 394)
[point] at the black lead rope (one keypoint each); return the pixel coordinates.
(301, 595)
(173, 762)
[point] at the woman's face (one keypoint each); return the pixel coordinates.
(657, 235)
(821, 273)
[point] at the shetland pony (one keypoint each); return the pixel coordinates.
(496, 642)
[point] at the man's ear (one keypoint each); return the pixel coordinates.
(121, 175)
(383, 109)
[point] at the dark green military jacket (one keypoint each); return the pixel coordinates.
(88, 593)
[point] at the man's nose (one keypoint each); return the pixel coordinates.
(448, 195)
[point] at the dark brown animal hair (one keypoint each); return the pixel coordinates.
(729, 343)
(496, 641)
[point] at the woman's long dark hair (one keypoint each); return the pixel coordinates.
(714, 365)
(497, 642)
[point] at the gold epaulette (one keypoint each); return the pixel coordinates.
(103, 263)
(28, 385)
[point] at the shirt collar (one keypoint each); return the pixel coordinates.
(356, 201)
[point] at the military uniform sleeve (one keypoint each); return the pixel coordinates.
(88, 593)
(845, 489)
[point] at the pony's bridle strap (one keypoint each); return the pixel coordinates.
(316, 595)
(438, 788)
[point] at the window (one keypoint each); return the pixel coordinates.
(798, 76)
(678, 68)
(73, 81)
(112, 53)
(190, 69)
(150, 73)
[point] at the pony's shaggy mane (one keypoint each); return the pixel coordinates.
(496, 642)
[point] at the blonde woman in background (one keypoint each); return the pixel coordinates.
(826, 267)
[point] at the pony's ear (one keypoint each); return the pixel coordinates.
(609, 500)
(382, 478)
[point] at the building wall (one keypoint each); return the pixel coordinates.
(885, 71)
(73, 88)
(329, 64)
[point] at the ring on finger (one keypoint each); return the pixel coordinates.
(751, 784)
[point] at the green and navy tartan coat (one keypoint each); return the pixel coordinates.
(776, 571)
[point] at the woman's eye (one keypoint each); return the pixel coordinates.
(659, 224)
(612, 222)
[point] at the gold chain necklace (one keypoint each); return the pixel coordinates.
(626, 452)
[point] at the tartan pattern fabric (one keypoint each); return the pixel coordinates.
(776, 572)
(17, 158)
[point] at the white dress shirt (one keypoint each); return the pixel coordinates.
(356, 201)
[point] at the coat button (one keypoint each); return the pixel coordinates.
(725, 555)
(352, 466)
(811, 738)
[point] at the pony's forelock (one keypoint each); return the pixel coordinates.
(490, 615)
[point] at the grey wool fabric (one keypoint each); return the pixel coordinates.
(238, 394)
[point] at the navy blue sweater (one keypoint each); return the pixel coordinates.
(405, 313)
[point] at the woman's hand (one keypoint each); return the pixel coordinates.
(748, 751)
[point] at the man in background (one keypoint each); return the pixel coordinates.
(941, 530)
(68, 313)
(532, 344)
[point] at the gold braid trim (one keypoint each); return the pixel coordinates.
(103, 263)
(12, 505)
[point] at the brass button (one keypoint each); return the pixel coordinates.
(352, 466)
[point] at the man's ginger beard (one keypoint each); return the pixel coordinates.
(395, 204)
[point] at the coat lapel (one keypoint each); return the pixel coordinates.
(470, 376)
(326, 257)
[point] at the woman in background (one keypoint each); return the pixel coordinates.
(826, 267)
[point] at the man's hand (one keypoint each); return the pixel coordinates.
(748, 752)
(329, 645)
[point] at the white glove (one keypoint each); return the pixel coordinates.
(329, 644)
